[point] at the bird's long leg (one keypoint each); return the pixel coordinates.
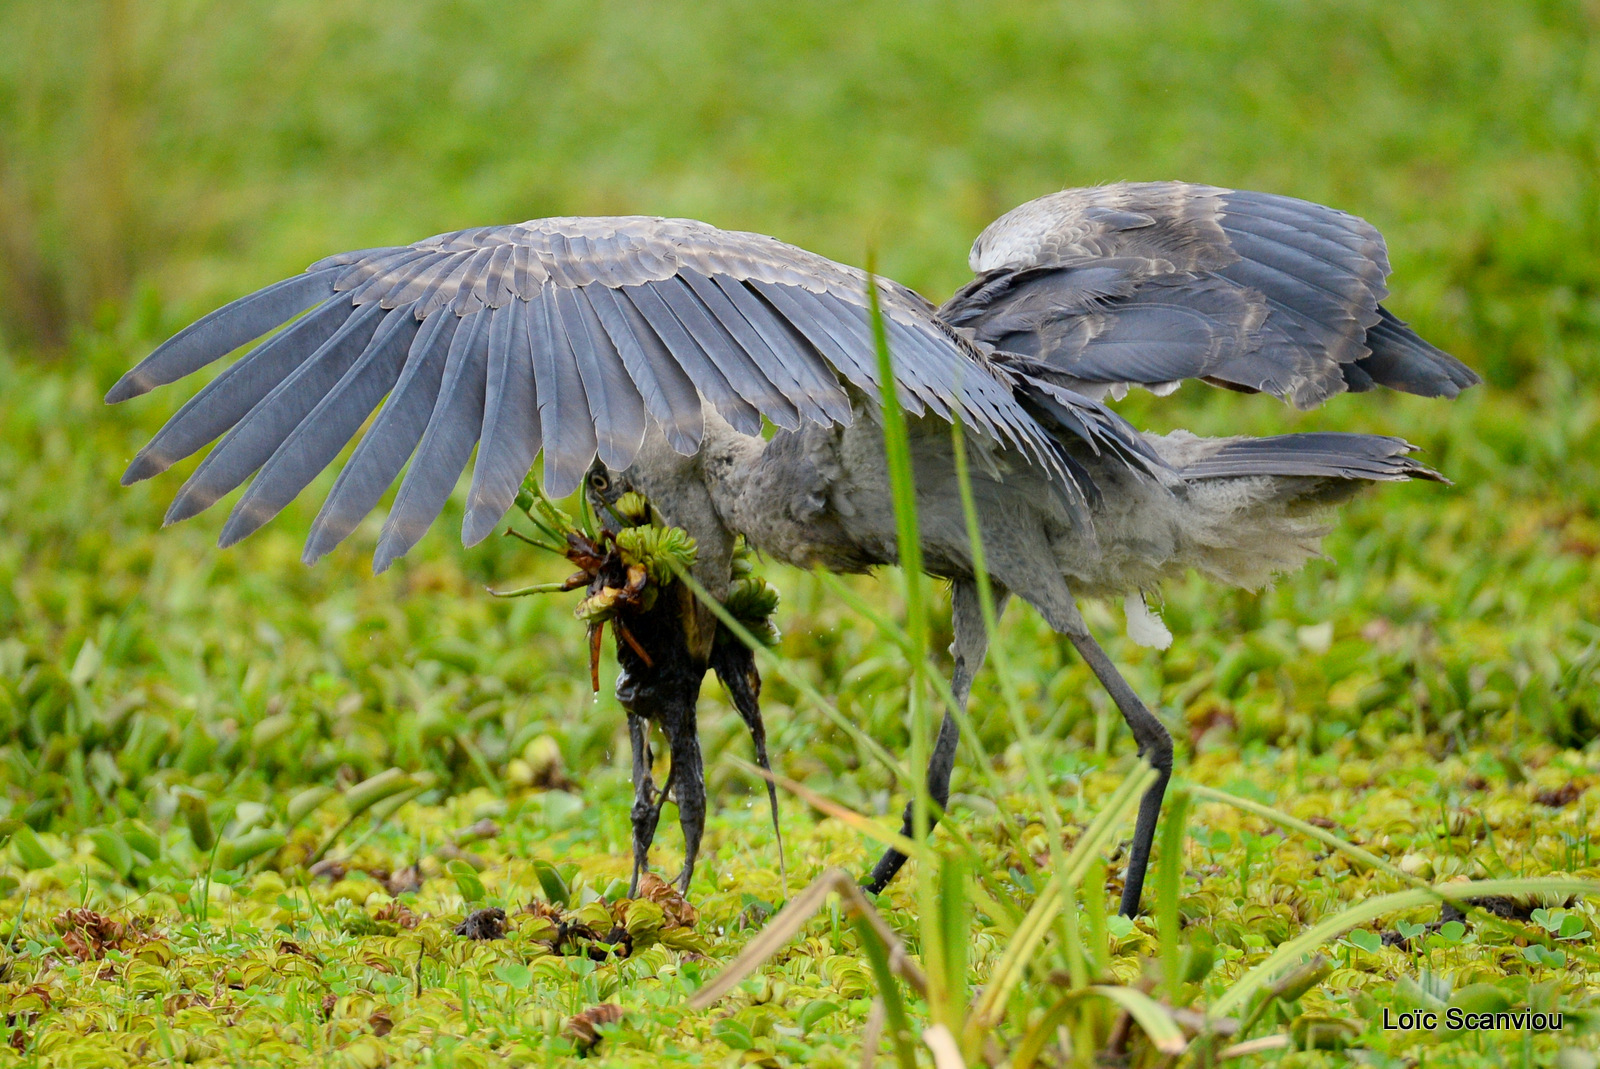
(646, 810)
(1155, 746)
(970, 645)
(735, 665)
(687, 779)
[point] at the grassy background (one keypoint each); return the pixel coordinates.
(158, 157)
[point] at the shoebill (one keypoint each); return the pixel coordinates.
(651, 354)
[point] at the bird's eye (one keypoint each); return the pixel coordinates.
(599, 481)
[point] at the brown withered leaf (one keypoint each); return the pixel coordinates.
(582, 1027)
(400, 881)
(543, 910)
(330, 869)
(1560, 797)
(568, 937)
(289, 946)
(483, 924)
(677, 910)
(396, 913)
(87, 935)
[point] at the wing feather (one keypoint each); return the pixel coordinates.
(221, 332)
(511, 428)
(669, 395)
(1403, 361)
(564, 414)
(1127, 284)
(262, 430)
(714, 338)
(702, 371)
(817, 386)
(568, 335)
(387, 445)
(792, 401)
(452, 431)
(805, 311)
(320, 436)
(614, 401)
(230, 395)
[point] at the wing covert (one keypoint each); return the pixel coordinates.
(1154, 283)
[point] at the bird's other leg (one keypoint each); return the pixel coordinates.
(1155, 746)
(735, 665)
(646, 810)
(687, 778)
(969, 647)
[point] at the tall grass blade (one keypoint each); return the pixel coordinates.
(894, 1007)
(1019, 952)
(1152, 1018)
(1354, 852)
(863, 824)
(1169, 877)
(908, 544)
(1038, 782)
(1332, 927)
(770, 661)
(793, 917)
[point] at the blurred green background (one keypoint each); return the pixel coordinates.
(158, 157)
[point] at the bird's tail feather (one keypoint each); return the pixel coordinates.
(1253, 508)
(1373, 457)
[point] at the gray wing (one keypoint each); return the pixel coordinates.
(565, 336)
(1154, 283)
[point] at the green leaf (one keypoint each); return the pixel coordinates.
(467, 881)
(514, 974)
(270, 730)
(1362, 939)
(814, 1011)
(1481, 998)
(1538, 955)
(733, 1034)
(113, 849)
(31, 853)
(554, 887)
(369, 792)
(249, 846)
(307, 802)
(197, 815)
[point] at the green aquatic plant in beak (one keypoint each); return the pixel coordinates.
(629, 567)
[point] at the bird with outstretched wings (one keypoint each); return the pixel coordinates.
(590, 339)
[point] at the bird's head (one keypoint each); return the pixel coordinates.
(604, 487)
